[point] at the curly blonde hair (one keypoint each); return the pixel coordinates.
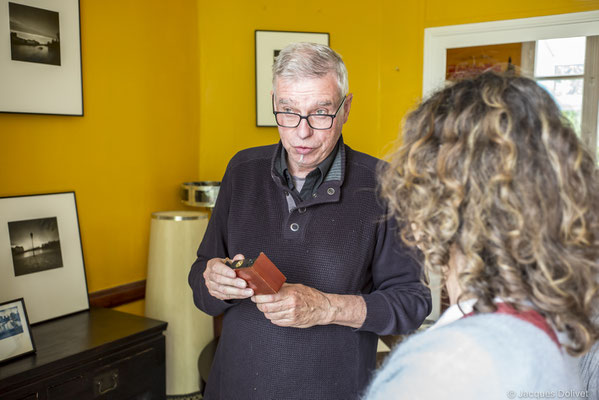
(490, 166)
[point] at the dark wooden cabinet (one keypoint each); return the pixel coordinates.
(96, 354)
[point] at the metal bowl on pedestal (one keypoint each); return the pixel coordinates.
(200, 194)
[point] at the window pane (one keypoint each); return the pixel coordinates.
(556, 57)
(568, 95)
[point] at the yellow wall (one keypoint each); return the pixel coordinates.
(381, 43)
(135, 307)
(136, 143)
(169, 97)
(227, 69)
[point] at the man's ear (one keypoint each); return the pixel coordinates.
(347, 107)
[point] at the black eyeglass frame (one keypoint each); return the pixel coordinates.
(333, 116)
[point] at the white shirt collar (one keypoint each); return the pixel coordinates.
(457, 311)
(454, 312)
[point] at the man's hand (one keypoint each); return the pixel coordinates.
(222, 282)
(295, 305)
(301, 306)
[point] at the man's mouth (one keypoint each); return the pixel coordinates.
(303, 150)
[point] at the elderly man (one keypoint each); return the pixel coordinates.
(310, 204)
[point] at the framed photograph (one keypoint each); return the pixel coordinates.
(268, 46)
(15, 333)
(41, 259)
(40, 57)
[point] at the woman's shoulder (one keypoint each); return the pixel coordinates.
(482, 356)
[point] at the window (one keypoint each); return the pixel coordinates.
(569, 68)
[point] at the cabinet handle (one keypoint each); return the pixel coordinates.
(115, 381)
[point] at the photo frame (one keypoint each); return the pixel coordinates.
(41, 258)
(15, 333)
(268, 44)
(40, 57)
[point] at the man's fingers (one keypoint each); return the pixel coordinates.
(227, 281)
(263, 298)
(228, 292)
(234, 293)
(284, 319)
(238, 257)
(222, 282)
(269, 307)
(237, 287)
(221, 269)
(278, 315)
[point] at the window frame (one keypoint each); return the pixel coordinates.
(590, 90)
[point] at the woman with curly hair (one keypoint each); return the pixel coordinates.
(494, 187)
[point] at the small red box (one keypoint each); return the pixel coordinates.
(261, 275)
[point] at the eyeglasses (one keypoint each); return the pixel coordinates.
(316, 121)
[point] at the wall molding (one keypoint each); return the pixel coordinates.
(118, 295)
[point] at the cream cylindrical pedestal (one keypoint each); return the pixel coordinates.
(174, 240)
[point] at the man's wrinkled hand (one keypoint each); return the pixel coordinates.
(222, 282)
(296, 306)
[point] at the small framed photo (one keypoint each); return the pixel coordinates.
(40, 57)
(15, 333)
(41, 259)
(268, 46)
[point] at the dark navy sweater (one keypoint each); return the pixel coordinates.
(343, 245)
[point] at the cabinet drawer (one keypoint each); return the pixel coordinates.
(98, 354)
(139, 375)
(134, 373)
(22, 394)
(73, 387)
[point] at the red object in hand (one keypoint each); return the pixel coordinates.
(261, 275)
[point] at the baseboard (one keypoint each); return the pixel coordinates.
(118, 295)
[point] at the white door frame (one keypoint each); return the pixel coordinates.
(438, 40)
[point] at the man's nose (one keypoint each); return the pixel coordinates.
(303, 130)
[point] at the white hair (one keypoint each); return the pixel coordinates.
(310, 60)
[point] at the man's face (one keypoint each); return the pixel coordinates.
(307, 147)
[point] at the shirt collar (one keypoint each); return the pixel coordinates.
(457, 311)
(454, 312)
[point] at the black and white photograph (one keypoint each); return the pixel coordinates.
(35, 245)
(34, 34)
(268, 46)
(41, 255)
(40, 57)
(15, 333)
